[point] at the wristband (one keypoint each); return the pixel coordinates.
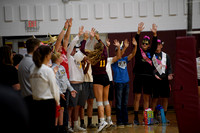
(64, 29)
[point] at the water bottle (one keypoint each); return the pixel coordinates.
(163, 119)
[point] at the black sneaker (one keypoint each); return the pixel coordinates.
(91, 126)
(155, 121)
(167, 121)
(127, 124)
(120, 125)
(135, 122)
(83, 126)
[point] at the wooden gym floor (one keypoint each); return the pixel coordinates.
(159, 128)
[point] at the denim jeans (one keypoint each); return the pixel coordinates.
(121, 96)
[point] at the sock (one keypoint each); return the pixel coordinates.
(108, 119)
(136, 115)
(89, 120)
(82, 121)
(98, 120)
(75, 123)
(69, 124)
(165, 113)
(101, 120)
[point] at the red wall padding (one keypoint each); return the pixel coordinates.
(185, 92)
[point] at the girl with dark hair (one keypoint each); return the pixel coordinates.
(143, 69)
(16, 60)
(8, 72)
(45, 91)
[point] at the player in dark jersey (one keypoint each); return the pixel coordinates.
(98, 60)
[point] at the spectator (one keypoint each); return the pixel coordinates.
(162, 76)
(45, 91)
(8, 73)
(16, 60)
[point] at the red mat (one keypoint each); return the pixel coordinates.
(185, 91)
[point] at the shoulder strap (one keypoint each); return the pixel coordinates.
(145, 57)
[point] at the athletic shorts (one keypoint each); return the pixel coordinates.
(67, 96)
(111, 92)
(73, 101)
(161, 89)
(198, 82)
(88, 86)
(101, 79)
(142, 84)
(86, 93)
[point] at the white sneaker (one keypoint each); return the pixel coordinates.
(70, 130)
(102, 126)
(110, 124)
(78, 129)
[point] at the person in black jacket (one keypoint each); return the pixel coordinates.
(8, 73)
(13, 113)
(143, 69)
(162, 76)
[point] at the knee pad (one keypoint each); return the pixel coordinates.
(105, 103)
(99, 104)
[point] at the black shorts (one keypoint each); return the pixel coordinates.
(111, 92)
(73, 101)
(86, 93)
(82, 96)
(143, 84)
(67, 96)
(101, 79)
(198, 82)
(161, 89)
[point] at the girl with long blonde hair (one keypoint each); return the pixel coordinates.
(98, 60)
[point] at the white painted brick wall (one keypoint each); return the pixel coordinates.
(107, 16)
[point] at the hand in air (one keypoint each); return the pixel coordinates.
(134, 42)
(81, 30)
(107, 42)
(140, 26)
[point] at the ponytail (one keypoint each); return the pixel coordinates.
(40, 54)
